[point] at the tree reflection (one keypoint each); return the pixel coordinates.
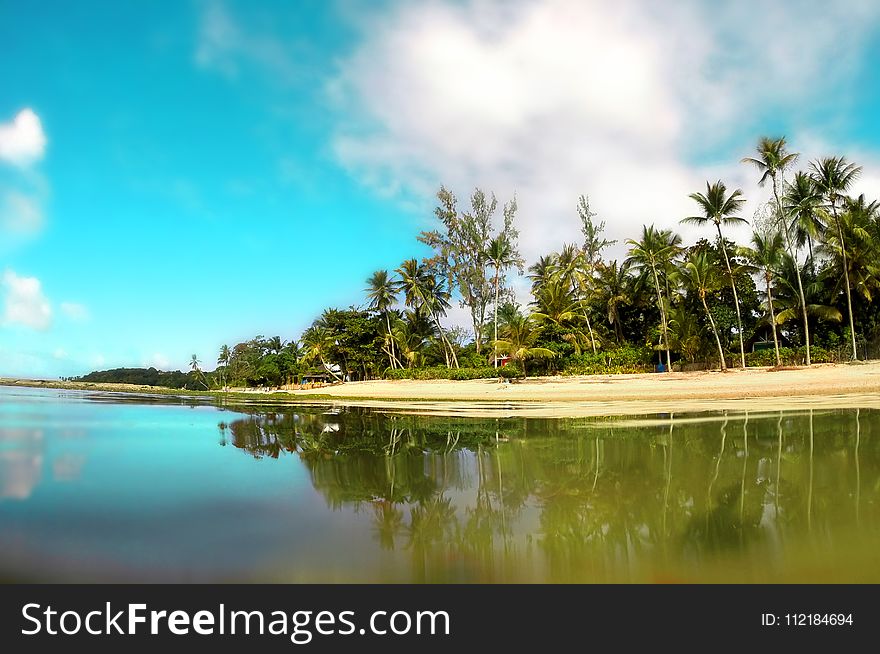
(468, 499)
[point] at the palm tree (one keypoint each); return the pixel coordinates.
(655, 249)
(382, 293)
(520, 334)
(194, 366)
(861, 253)
(424, 290)
(771, 161)
(223, 359)
(720, 209)
(700, 278)
(766, 254)
(802, 204)
(787, 298)
(317, 341)
(501, 255)
(612, 290)
(833, 177)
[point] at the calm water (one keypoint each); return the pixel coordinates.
(103, 488)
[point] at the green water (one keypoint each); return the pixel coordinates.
(109, 488)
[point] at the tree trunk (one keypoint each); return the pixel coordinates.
(715, 333)
(587, 319)
(767, 278)
(852, 328)
(739, 324)
(495, 343)
(797, 269)
(663, 322)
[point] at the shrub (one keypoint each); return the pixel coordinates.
(459, 374)
(622, 360)
(789, 356)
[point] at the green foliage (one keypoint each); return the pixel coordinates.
(622, 360)
(789, 356)
(459, 374)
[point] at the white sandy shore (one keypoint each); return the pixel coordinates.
(821, 386)
(756, 389)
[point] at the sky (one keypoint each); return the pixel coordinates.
(179, 175)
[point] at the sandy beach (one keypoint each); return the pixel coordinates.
(821, 386)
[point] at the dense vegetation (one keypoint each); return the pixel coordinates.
(808, 274)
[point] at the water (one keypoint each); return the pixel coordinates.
(112, 488)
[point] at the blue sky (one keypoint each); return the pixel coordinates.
(174, 176)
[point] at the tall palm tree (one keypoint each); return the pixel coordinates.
(223, 359)
(655, 249)
(382, 294)
(833, 177)
(719, 208)
(194, 365)
(802, 204)
(502, 256)
(423, 289)
(771, 161)
(576, 266)
(700, 278)
(766, 255)
(519, 336)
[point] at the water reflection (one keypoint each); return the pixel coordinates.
(517, 499)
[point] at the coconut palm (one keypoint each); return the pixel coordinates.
(224, 359)
(519, 335)
(424, 289)
(382, 295)
(502, 255)
(685, 332)
(766, 255)
(787, 299)
(613, 291)
(803, 206)
(719, 208)
(700, 277)
(860, 253)
(833, 177)
(317, 341)
(771, 161)
(653, 252)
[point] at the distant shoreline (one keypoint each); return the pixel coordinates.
(821, 386)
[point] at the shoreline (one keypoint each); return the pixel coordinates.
(820, 386)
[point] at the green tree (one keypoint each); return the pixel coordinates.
(771, 161)
(655, 250)
(766, 255)
(519, 340)
(382, 295)
(502, 255)
(460, 249)
(223, 359)
(719, 208)
(423, 289)
(833, 177)
(700, 277)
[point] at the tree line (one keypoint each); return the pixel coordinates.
(807, 275)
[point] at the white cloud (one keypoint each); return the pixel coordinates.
(60, 353)
(158, 361)
(98, 360)
(21, 214)
(623, 101)
(22, 141)
(25, 303)
(75, 311)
